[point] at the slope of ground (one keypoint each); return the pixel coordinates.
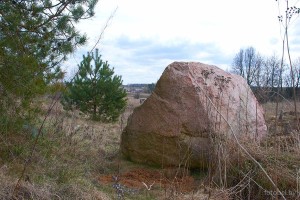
(79, 159)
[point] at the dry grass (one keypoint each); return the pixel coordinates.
(279, 155)
(76, 159)
(69, 156)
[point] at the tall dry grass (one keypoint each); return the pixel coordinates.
(73, 152)
(69, 155)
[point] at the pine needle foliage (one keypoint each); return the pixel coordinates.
(95, 90)
(35, 38)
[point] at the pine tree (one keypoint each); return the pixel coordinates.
(95, 90)
(35, 38)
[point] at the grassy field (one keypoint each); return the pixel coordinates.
(80, 159)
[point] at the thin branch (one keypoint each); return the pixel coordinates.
(17, 186)
(104, 28)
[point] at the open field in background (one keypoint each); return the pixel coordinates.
(77, 158)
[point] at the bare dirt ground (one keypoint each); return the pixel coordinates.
(149, 182)
(141, 178)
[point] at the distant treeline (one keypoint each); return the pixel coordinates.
(264, 94)
(137, 85)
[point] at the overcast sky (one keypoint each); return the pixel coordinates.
(143, 37)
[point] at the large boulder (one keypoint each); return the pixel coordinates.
(192, 104)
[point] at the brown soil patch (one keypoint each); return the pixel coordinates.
(136, 178)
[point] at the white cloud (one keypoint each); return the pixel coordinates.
(145, 36)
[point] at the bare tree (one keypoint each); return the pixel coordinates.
(288, 79)
(296, 65)
(245, 64)
(259, 63)
(237, 65)
(249, 62)
(273, 71)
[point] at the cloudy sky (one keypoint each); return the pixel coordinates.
(143, 37)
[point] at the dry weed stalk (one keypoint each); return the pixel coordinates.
(236, 139)
(51, 106)
(285, 21)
